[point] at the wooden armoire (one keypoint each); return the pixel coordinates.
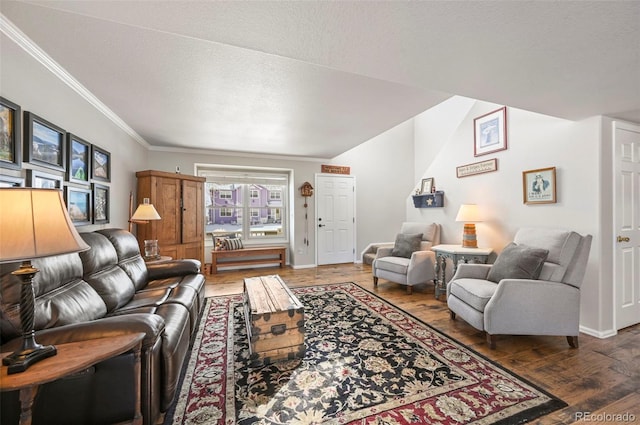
(179, 199)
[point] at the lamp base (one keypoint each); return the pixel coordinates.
(19, 361)
(469, 236)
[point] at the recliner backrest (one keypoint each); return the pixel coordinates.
(129, 258)
(563, 246)
(430, 232)
(101, 271)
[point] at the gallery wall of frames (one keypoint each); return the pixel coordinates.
(51, 157)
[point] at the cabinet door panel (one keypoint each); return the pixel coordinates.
(192, 212)
(168, 206)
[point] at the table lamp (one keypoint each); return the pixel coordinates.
(145, 213)
(468, 213)
(34, 223)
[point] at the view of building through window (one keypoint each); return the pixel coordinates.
(245, 205)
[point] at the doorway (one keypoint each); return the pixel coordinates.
(626, 244)
(335, 219)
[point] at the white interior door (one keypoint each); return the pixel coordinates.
(335, 219)
(626, 139)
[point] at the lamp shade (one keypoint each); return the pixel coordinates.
(468, 213)
(35, 223)
(145, 212)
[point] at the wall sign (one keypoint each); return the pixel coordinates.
(477, 168)
(335, 169)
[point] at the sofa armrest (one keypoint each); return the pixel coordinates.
(525, 306)
(472, 271)
(150, 324)
(173, 268)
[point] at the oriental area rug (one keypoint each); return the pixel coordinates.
(366, 362)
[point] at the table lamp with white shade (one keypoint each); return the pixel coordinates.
(469, 215)
(34, 223)
(144, 213)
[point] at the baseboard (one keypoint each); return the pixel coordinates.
(598, 334)
(304, 266)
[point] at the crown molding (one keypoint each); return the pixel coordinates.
(25, 43)
(236, 154)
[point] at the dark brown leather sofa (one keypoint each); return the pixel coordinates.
(106, 291)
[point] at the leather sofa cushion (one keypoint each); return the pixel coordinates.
(102, 272)
(474, 292)
(62, 297)
(129, 257)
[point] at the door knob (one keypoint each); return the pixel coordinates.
(623, 239)
(320, 225)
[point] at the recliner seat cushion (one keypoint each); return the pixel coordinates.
(398, 265)
(474, 292)
(518, 262)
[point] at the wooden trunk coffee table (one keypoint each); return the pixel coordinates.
(275, 321)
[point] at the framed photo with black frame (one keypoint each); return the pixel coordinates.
(100, 164)
(78, 160)
(79, 205)
(44, 143)
(100, 203)
(490, 132)
(10, 127)
(41, 180)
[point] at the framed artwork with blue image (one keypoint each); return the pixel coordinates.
(79, 160)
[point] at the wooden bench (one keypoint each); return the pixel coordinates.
(248, 256)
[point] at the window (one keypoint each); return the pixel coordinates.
(275, 195)
(251, 204)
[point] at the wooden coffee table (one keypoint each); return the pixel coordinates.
(275, 320)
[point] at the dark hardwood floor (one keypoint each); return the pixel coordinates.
(601, 377)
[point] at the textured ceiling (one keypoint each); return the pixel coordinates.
(315, 79)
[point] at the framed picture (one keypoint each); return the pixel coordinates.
(100, 204)
(539, 186)
(10, 147)
(78, 160)
(11, 181)
(41, 180)
(490, 132)
(79, 205)
(44, 143)
(100, 164)
(427, 186)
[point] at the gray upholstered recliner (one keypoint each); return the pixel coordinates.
(548, 305)
(410, 267)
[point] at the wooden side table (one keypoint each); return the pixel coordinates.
(161, 259)
(456, 253)
(71, 358)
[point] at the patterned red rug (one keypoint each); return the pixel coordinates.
(366, 362)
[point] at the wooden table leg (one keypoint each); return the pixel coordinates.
(27, 395)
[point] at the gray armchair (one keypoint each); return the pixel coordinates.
(410, 261)
(533, 288)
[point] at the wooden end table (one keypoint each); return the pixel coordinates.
(71, 358)
(456, 253)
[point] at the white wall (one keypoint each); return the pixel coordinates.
(383, 167)
(534, 141)
(26, 82)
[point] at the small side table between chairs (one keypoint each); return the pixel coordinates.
(456, 253)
